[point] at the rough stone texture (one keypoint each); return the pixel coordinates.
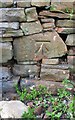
(0, 90)
(23, 3)
(47, 20)
(66, 23)
(50, 47)
(50, 61)
(40, 3)
(9, 25)
(24, 48)
(6, 3)
(48, 25)
(12, 109)
(31, 14)
(70, 40)
(65, 30)
(55, 14)
(30, 28)
(25, 70)
(71, 60)
(71, 51)
(5, 39)
(5, 52)
(11, 33)
(12, 14)
(53, 74)
(4, 73)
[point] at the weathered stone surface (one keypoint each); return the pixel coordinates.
(50, 61)
(70, 40)
(12, 109)
(46, 20)
(4, 73)
(65, 30)
(24, 49)
(54, 74)
(55, 14)
(25, 70)
(40, 3)
(50, 46)
(31, 14)
(48, 25)
(6, 3)
(11, 33)
(12, 14)
(5, 52)
(23, 3)
(71, 51)
(30, 28)
(0, 90)
(66, 23)
(9, 25)
(5, 39)
(71, 60)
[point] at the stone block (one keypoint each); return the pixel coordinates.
(70, 40)
(6, 39)
(47, 20)
(41, 3)
(24, 49)
(64, 30)
(9, 25)
(54, 74)
(11, 33)
(71, 51)
(23, 3)
(5, 52)
(50, 61)
(28, 70)
(48, 25)
(66, 23)
(6, 3)
(32, 27)
(31, 14)
(71, 60)
(12, 14)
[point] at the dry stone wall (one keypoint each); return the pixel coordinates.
(37, 39)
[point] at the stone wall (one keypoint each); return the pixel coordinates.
(37, 39)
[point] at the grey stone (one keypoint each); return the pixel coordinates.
(30, 28)
(6, 39)
(12, 14)
(11, 33)
(71, 51)
(40, 3)
(23, 3)
(9, 25)
(25, 70)
(6, 3)
(5, 52)
(48, 25)
(4, 73)
(50, 61)
(46, 20)
(71, 60)
(24, 49)
(12, 109)
(0, 90)
(70, 40)
(31, 14)
(66, 23)
(54, 74)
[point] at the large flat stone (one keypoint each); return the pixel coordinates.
(6, 3)
(53, 74)
(5, 39)
(25, 70)
(70, 40)
(5, 52)
(30, 28)
(9, 25)
(23, 3)
(12, 14)
(31, 14)
(39, 3)
(24, 48)
(11, 33)
(66, 23)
